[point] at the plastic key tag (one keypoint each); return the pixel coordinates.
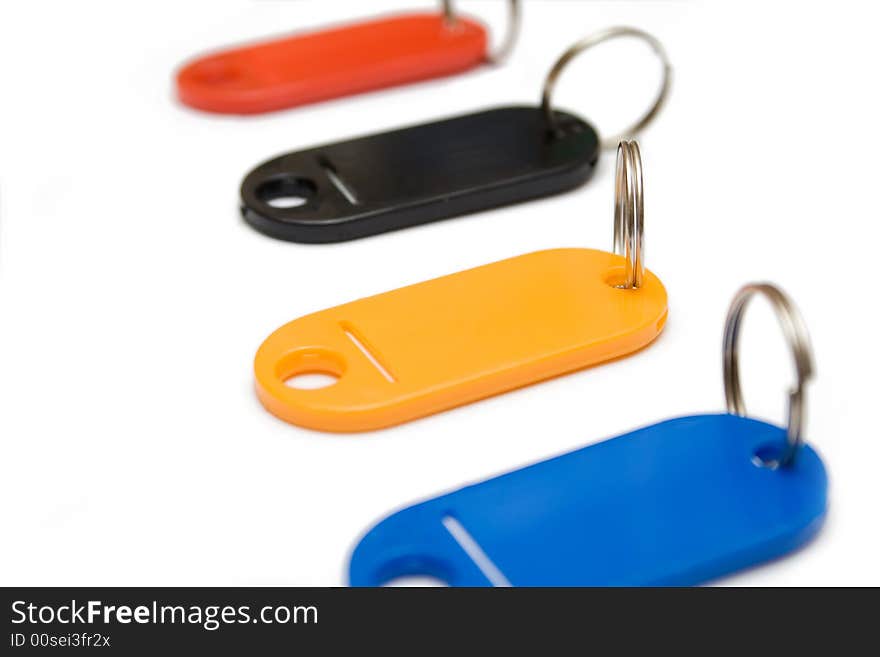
(307, 68)
(456, 339)
(383, 182)
(677, 503)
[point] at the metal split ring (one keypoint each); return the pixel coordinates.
(629, 212)
(795, 331)
(589, 42)
(503, 51)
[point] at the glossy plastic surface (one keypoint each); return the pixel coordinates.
(673, 504)
(307, 68)
(456, 339)
(369, 185)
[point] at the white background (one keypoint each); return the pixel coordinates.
(133, 297)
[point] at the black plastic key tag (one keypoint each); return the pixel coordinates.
(433, 171)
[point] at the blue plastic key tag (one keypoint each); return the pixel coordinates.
(676, 503)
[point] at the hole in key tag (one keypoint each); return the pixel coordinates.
(437, 170)
(346, 60)
(677, 503)
(449, 341)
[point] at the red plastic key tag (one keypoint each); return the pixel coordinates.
(341, 61)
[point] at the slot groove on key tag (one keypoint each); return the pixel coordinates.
(677, 503)
(456, 339)
(341, 186)
(360, 343)
(424, 173)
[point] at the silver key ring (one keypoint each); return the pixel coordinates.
(589, 42)
(798, 339)
(629, 212)
(503, 51)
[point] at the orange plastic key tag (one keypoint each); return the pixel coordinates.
(456, 339)
(311, 67)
